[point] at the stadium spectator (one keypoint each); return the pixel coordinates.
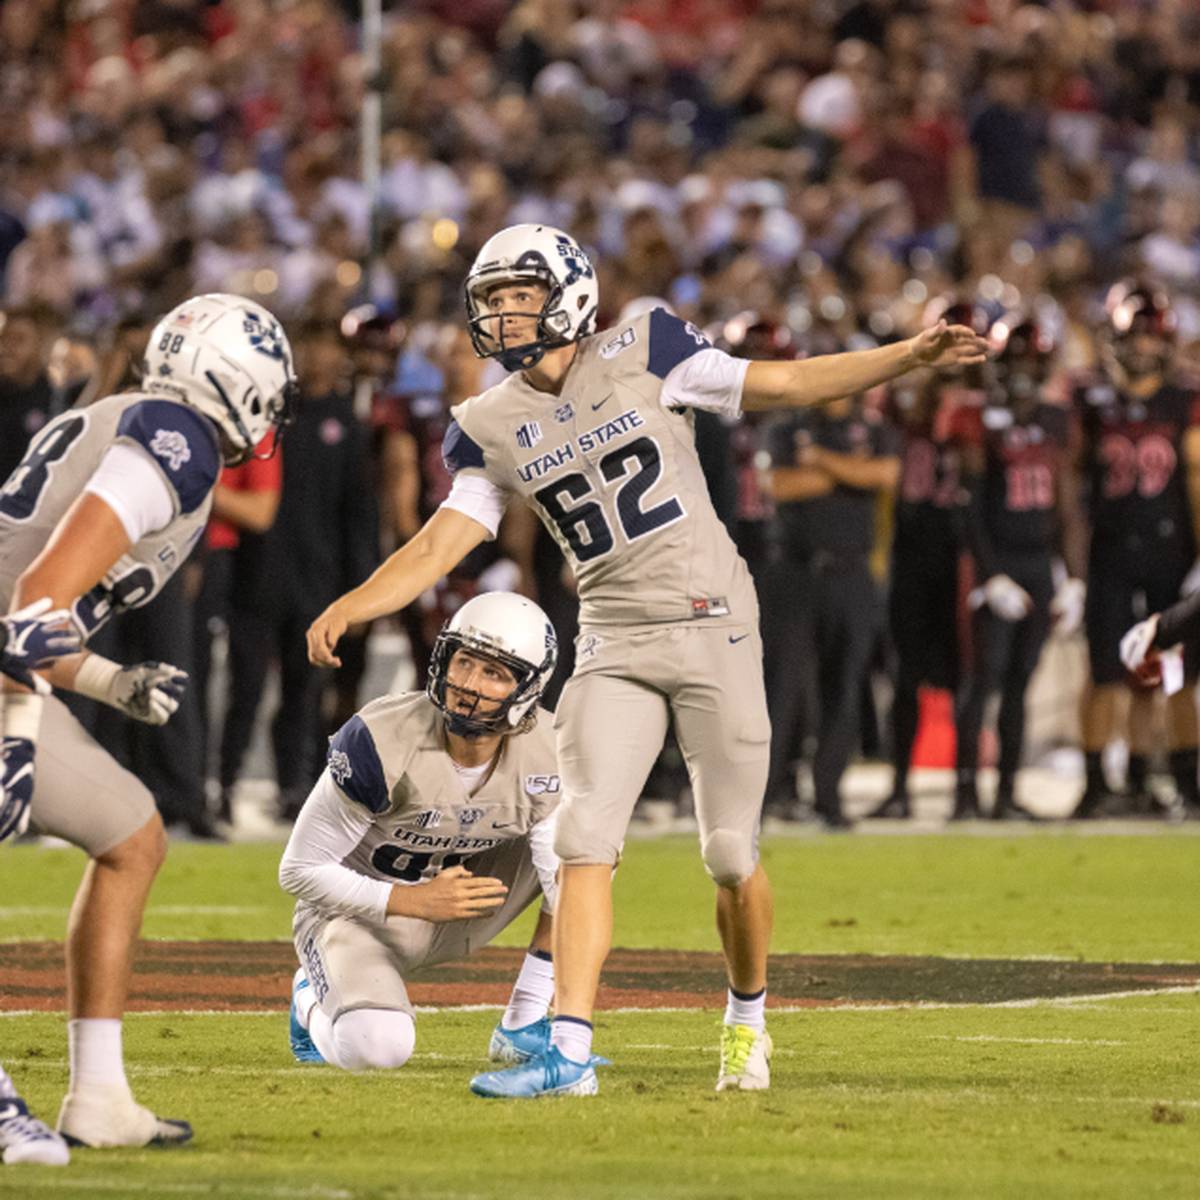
(28, 398)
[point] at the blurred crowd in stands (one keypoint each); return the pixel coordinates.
(793, 176)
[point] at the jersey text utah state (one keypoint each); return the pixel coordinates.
(614, 475)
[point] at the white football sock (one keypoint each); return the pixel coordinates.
(531, 994)
(94, 1046)
(320, 1029)
(306, 999)
(573, 1038)
(741, 1009)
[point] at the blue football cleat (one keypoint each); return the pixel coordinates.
(547, 1074)
(519, 1045)
(303, 1049)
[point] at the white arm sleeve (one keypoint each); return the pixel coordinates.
(328, 829)
(479, 498)
(710, 379)
(129, 482)
(545, 861)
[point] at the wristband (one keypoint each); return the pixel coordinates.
(95, 676)
(21, 716)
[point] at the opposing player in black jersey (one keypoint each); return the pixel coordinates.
(923, 598)
(1142, 651)
(1140, 460)
(1016, 446)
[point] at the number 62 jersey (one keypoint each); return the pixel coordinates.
(154, 461)
(610, 466)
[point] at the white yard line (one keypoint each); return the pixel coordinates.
(237, 1190)
(161, 910)
(1089, 1000)
(1023, 1041)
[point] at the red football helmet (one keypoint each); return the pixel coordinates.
(1140, 327)
(958, 310)
(1136, 305)
(749, 335)
(1023, 350)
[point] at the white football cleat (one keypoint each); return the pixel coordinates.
(25, 1139)
(745, 1059)
(106, 1117)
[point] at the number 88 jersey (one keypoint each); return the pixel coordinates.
(58, 467)
(610, 465)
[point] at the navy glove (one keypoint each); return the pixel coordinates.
(33, 637)
(16, 785)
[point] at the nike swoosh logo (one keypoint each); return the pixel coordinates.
(733, 641)
(507, 825)
(9, 1110)
(603, 402)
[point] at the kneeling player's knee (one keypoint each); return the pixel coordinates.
(729, 856)
(374, 1038)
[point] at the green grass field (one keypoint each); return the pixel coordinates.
(1057, 1097)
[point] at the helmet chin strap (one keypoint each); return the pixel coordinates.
(521, 358)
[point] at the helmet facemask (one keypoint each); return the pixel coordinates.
(487, 328)
(1141, 352)
(280, 411)
(1022, 364)
(1141, 331)
(514, 713)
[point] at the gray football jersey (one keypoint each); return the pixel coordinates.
(61, 459)
(391, 760)
(615, 477)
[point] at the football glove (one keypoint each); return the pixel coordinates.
(34, 636)
(16, 785)
(1005, 597)
(148, 692)
(1067, 606)
(1191, 581)
(1138, 653)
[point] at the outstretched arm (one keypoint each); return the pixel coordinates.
(441, 543)
(771, 384)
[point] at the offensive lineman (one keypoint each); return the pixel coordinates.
(594, 431)
(102, 510)
(417, 785)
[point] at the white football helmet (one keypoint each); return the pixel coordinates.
(547, 256)
(511, 630)
(229, 358)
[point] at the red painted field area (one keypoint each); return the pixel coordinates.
(256, 976)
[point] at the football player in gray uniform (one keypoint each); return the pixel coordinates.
(430, 831)
(594, 432)
(106, 504)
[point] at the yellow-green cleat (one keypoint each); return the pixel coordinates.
(745, 1059)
